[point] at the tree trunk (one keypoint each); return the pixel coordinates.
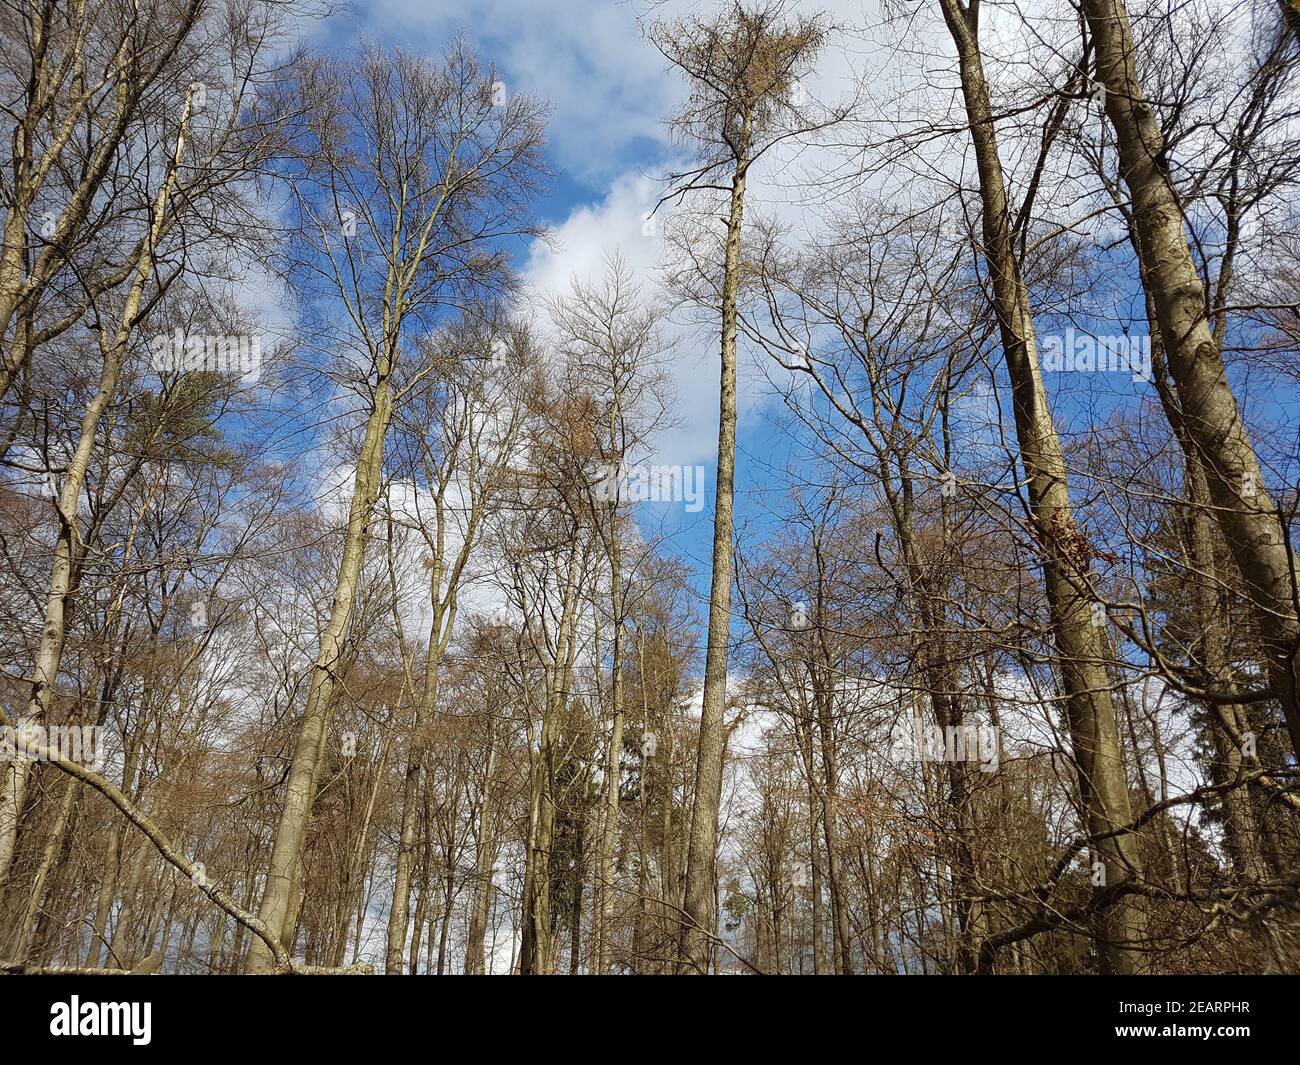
(1213, 427)
(412, 791)
(1103, 786)
(699, 915)
(535, 940)
(286, 853)
(613, 760)
(484, 859)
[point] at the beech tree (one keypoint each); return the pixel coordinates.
(356, 605)
(382, 231)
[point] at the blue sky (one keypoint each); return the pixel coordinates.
(610, 93)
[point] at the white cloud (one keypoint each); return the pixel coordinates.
(607, 88)
(617, 224)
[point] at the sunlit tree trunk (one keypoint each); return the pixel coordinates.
(699, 918)
(1211, 422)
(1103, 786)
(285, 867)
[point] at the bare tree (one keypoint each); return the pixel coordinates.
(384, 232)
(743, 69)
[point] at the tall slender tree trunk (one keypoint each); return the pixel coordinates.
(413, 789)
(575, 887)
(535, 941)
(285, 868)
(444, 920)
(613, 759)
(816, 808)
(1228, 720)
(484, 860)
(1244, 840)
(830, 831)
(699, 917)
(1103, 786)
(104, 900)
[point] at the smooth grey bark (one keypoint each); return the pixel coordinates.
(1103, 785)
(1211, 423)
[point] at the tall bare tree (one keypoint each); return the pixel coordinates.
(1066, 553)
(410, 172)
(743, 69)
